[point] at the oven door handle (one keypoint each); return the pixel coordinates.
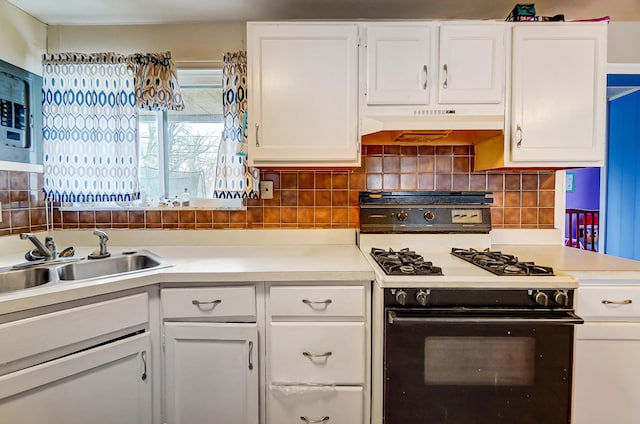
(570, 319)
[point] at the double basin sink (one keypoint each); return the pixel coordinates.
(39, 273)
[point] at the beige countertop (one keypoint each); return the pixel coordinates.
(308, 258)
(587, 266)
(265, 256)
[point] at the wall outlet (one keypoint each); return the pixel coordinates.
(266, 189)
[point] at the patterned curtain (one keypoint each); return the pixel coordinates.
(89, 130)
(234, 178)
(156, 81)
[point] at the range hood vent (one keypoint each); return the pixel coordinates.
(431, 137)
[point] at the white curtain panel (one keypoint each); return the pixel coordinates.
(90, 128)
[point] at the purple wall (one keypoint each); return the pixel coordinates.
(586, 194)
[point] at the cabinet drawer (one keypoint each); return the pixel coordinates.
(342, 405)
(318, 301)
(323, 353)
(609, 302)
(210, 302)
(48, 332)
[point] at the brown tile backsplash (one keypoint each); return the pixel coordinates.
(311, 198)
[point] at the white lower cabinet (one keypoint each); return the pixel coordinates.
(318, 353)
(211, 361)
(331, 405)
(211, 373)
(104, 385)
(607, 356)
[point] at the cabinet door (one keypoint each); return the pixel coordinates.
(472, 64)
(303, 94)
(211, 372)
(558, 93)
(399, 63)
(606, 374)
(104, 385)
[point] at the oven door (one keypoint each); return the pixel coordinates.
(477, 366)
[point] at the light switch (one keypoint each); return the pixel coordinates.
(266, 189)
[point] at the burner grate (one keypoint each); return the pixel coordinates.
(500, 263)
(403, 262)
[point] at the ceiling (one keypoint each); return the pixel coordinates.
(113, 12)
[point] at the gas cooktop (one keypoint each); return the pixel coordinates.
(403, 262)
(500, 263)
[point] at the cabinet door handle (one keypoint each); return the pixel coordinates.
(618, 302)
(143, 356)
(317, 355)
(257, 135)
(250, 355)
(198, 303)
(446, 76)
(317, 302)
(308, 420)
(519, 135)
(426, 77)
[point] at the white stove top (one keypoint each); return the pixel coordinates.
(457, 273)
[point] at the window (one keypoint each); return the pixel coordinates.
(179, 150)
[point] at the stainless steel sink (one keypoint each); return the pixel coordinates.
(23, 276)
(17, 279)
(122, 263)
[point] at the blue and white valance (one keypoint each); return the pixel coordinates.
(89, 128)
(234, 177)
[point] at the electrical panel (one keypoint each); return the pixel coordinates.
(20, 115)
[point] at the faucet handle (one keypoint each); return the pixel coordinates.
(102, 253)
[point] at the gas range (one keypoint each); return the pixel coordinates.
(447, 234)
(445, 303)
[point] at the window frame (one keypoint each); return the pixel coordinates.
(187, 77)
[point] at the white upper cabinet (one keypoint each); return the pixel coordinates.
(472, 64)
(558, 94)
(303, 94)
(398, 62)
(433, 75)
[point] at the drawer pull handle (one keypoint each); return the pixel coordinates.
(317, 302)
(321, 420)
(212, 302)
(317, 355)
(618, 302)
(250, 355)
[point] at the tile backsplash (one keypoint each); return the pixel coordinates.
(311, 198)
(22, 200)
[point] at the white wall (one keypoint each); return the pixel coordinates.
(23, 39)
(624, 42)
(191, 43)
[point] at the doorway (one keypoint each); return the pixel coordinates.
(613, 191)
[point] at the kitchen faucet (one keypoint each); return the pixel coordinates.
(48, 249)
(102, 253)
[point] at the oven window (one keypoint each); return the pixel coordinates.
(479, 361)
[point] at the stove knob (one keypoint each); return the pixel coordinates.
(561, 297)
(541, 298)
(422, 297)
(402, 215)
(429, 215)
(401, 297)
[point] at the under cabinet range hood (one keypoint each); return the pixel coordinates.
(456, 125)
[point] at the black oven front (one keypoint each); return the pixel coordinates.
(477, 362)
